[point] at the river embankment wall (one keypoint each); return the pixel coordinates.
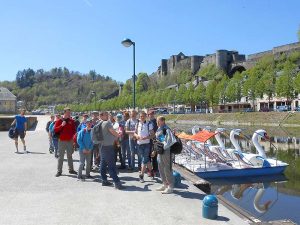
(6, 121)
(270, 119)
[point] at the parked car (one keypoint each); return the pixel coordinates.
(283, 108)
(297, 109)
(248, 110)
(265, 109)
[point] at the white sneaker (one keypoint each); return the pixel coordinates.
(161, 188)
(167, 191)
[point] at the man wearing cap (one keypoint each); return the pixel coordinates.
(66, 129)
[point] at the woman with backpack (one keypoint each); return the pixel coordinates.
(54, 136)
(165, 136)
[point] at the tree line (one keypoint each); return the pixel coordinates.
(271, 76)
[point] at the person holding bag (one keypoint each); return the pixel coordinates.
(165, 136)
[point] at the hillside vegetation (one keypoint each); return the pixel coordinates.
(59, 86)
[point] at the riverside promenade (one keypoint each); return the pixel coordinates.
(31, 194)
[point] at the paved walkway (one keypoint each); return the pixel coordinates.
(31, 194)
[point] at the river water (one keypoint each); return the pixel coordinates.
(266, 198)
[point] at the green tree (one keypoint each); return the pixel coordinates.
(200, 95)
(211, 72)
(285, 82)
(220, 92)
(142, 82)
(210, 93)
(234, 88)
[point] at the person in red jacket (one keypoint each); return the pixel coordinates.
(66, 129)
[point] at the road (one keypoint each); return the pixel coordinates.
(31, 194)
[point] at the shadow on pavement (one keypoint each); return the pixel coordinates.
(182, 186)
(190, 195)
(222, 218)
(74, 160)
(37, 153)
(135, 188)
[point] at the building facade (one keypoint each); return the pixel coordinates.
(8, 101)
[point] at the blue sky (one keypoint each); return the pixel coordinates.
(85, 35)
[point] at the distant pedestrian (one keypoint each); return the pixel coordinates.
(85, 143)
(66, 129)
(21, 127)
(108, 153)
(51, 147)
(54, 136)
(165, 136)
(144, 132)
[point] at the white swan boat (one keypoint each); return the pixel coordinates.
(202, 158)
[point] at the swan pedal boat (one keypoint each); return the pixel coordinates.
(207, 161)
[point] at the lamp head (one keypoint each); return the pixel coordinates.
(127, 42)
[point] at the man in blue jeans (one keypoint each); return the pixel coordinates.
(144, 132)
(108, 153)
(130, 130)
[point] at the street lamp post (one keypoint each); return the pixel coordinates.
(127, 43)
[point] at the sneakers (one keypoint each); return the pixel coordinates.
(106, 183)
(161, 188)
(122, 167)
(89, 177)
(58, 174)
(167, 191)
(81, 179)
(141, 176)
(119, 186)
(72, 172)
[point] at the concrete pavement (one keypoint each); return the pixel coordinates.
(31, 194)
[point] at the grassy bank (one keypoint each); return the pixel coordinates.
(285, 119)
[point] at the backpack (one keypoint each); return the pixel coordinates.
(176, 148)
(75, 143)
(12, 132)
(53, 133)
(97, 134)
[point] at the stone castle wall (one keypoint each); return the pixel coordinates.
(223, 59)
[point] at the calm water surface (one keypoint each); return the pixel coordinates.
(266, 198)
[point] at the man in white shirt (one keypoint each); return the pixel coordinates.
(143, 133)
(130, 130)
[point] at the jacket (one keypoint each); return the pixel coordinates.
(84, 140)
(67, 132)
(168, 138)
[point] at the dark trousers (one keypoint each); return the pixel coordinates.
(153, 159)
(108, 161)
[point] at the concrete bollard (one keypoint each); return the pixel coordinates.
(177, 178)
(210, 207)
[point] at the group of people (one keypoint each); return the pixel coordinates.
(127, 135)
